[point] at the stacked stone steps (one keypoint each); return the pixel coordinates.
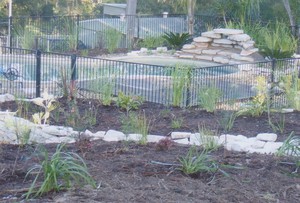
(226, 46)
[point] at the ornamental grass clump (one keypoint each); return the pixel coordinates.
(60, 171)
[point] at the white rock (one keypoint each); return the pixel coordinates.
(133, 53)
(211, 51)
(269, 148)
(182, 141)
(248, 52)
(134, 137)
(204, 57)
(225, 31)
(155, 138)
(223, 41)
(195, 139)
(220, 59)
(186, 56)
(227, 138)
(287, 110)
(188, 46)
(59, 131)
(143, 50)
(211, 34)
(225, 53)
(193, 51)
(180, 135)
(215, 45)
(239, 146)
(201, 44)
(113, 135)
(241, 58)
(161, 49)
(270, 137)
(228, 46)
(258, 144)
(248, 45)
(98, 135)
(89, 133)
(239, 37)
(241, 138)
(202, 39)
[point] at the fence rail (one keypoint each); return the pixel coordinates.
(95, 77)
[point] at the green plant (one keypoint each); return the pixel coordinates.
(27, 35)
(176, 40)
(207, 138)
(291, 86)
(136, 123)
(181, 83)
(208, 98)
(60, 171)
(176, 122)
(48, 103)
(152, 42)
(107, 90)
(291, 146)
(259, 103)
(112, 39)
(21, 128)
(277, 41)
(68, 87)
(23, 107)
(195, 162)
(278, 125)
(227, 120)
(128, 102)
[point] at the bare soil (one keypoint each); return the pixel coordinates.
(129, 172)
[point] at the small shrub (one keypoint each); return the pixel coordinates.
(60, 171)
(136, 123)
(208, 98)
(128, 102)
(152, 42)
(277, 41)
(112, 39)
(291, 146)
(258, 105)
(176, 40)
(291, 86)
(195, 162)
(176, 123)
(207, 139)
(227, 120)
(181, 81)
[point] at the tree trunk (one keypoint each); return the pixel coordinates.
(287, 7)
(130, 18)
(191, 10)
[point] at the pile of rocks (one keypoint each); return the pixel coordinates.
(14, 130)
(226, 46)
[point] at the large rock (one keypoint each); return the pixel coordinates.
(211, 34)
(248, 52)
(59, 131)
(202, 39)
(220, 59)
(114, 136)
(225, 31)
(180, 135)
(6, 97)
(223, 41)
(242, 58)
(211, 51)
(204, 57)
(188, 46)
(271, 137)
(239, 37)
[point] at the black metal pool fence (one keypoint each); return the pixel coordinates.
(96, 78)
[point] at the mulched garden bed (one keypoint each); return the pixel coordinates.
(129, 172)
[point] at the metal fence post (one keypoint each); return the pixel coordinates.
(38, 73)
(272, 80)
(77, 31)
(10, 22)
(73, 75)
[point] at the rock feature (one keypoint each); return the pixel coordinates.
(225, 46)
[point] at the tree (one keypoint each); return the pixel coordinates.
(190, 5)
(287, 7)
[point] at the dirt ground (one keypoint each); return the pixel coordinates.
(129, 172)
